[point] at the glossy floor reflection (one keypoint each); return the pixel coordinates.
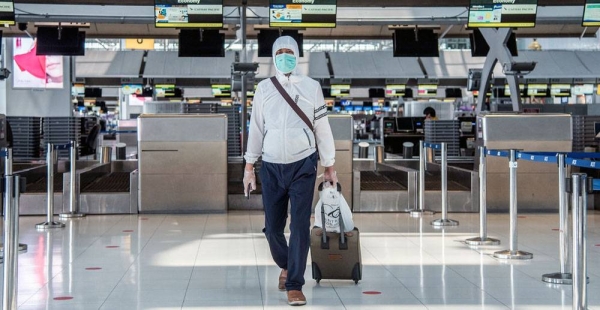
(222, 262)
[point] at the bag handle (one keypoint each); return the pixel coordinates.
(291, 102)
(343, 240)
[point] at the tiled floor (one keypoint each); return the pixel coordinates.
(222, 262)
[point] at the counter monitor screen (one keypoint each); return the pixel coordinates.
(190, 14)
(560, 90)
(415, 43)
(78, 89)
(427, 90)
(404, 124)
(302, 14)
(591, 14)
(71, 41)
(7, 12)
(537, 90)
(396, 90)
(507, 14)
(221, 90)
(340, 90)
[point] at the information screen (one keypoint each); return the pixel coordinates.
(560, 90)
(129, 89)
(507, 89)
(164, 90)
(221, 90)
(583, 89)
(591, 13)
(188, 13)
(397, 90)
(302, 13)
(427, 90)
(78, 89)
(537, 90)
(340, 90)
(502, 13)
(7, 12)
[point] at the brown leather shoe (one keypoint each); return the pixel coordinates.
(282, 279)
(296, 298)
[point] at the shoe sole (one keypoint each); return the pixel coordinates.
(297, 303)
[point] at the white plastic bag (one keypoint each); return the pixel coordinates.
(335, 206)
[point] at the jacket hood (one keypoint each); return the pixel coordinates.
(290, 43)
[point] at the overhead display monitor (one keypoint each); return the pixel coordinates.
(164, 90)
(583, 89)
(591, 14)
(302, 14)
(78, 89)
(130, 89)
(560, 90)
(396, 90)
(537, 90)
(410, 42)
(266, 38)
(201, 43)
(7, 12)
(188, 13)
(502, 13)
(427, 90)
(69, 41)
(340, 90)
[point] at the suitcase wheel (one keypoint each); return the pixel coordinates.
(316, 272)
(356, 276)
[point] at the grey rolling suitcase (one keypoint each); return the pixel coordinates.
(335, 255)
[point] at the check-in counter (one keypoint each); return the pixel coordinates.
(537, 188)
(182, 163)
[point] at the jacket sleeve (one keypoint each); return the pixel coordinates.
(323, 133)
(256, 130)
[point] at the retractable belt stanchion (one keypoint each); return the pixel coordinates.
(579, 203)
(512, 252)
(422, 167)
(73, 205)
(12, 191)
(444, 221)
(483, 239)
(50, 223)
(564, 276)
(8, 166)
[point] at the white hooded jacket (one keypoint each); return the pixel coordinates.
(277, 133)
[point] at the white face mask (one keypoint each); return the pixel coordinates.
(285, 62)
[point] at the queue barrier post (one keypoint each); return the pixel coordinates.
(483, 239)
(444, 221)
(73, 199)
(513, 252)
(50, 223)
(580, 190)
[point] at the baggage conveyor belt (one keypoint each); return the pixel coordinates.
(114, 182)
(36, 183)
(373, 181)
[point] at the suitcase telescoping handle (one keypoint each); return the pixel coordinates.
(324, 241)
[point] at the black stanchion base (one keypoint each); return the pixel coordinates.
(508, 254)
(482, 241)
(49, 225)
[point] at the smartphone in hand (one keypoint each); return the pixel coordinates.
(248, 191)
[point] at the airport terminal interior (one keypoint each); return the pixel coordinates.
(123, 128)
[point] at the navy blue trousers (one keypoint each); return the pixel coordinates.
(295, 183)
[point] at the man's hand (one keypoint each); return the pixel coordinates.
(330, 175)
(249, 180)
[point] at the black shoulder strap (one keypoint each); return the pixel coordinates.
(291, 102)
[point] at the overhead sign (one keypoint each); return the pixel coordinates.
(591, 13)
(188, 13)
(7, 12)
(502, 13)
(302, 13)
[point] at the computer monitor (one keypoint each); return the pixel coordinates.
(404, 124)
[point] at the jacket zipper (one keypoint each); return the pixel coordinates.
(307, 137)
